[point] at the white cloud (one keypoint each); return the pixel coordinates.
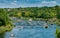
(14, 2)
(50, 3)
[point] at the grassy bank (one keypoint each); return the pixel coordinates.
(4, 29)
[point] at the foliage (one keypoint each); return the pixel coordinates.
(58, 33)
(36, 12)
(4, 29)
(5, 24)
(29, 12)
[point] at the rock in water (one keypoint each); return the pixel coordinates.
(21, 27)
(46, 26)
(12, 35)
(30, 19)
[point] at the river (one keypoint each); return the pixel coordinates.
(32, 29)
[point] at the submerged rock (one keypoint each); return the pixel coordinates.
(21, 27)
(51, 24)
(12, 35)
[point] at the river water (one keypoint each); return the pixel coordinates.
(32, 29)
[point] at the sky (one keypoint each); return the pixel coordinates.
(27, 3)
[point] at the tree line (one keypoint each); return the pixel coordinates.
(34, 12)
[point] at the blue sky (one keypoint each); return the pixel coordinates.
(27, 3)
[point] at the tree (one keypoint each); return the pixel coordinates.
(3, 17)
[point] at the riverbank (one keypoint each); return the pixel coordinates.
(57, 33)
(4, 29)
(50, 20)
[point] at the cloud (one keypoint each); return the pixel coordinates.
(50, 3)
(27, 3)
(14, 2)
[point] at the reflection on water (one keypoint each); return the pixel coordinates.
(33, 29)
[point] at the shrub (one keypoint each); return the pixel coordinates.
(57, 33)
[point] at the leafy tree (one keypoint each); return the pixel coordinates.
(3, 17)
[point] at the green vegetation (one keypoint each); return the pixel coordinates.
(57, 33)
(5, 24)
(4, 29)
(35, 13)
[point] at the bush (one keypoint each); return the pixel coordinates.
(3, 17)
(57, 33)
(2, 22)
